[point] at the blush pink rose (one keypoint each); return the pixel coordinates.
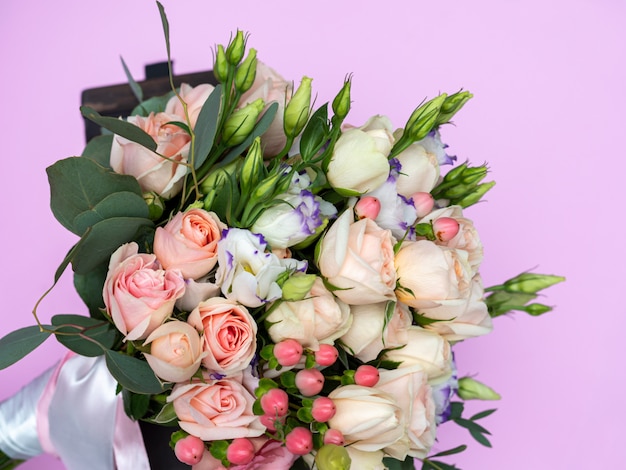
(164, 176)
(229, 334)
(357, 257)
(175, 351)
(138, 295)
(216, 409)
(270, 454)
(189, 242)
(194, 97)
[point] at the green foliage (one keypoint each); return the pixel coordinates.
(84, 335)
(133, 374)
(120, 127)
(98, 149)
(7, 463)
(20, 343)
(207, 123)
(135, 405)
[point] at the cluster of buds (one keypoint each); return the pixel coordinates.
(462, 185)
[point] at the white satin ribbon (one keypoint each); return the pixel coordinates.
(76, 416)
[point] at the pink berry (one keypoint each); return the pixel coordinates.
(309, 381)
(445, 228)
(299, 441)
(366, 376)
(326, 355)
(367, 206)
(189, 450)
(334, 436)
(423, 203)
(323, 409)
(240, 451)
(288, 352)
(269, 421)
(275, 402)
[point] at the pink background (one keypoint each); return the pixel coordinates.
(547, 116)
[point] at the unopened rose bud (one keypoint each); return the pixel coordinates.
(423, 203)
(236, 49)
(244, 77)
(275, 402)
(326, 355)
(367, 206)
(299, 441)
(323, 409)
(221, 66)
(189, 450)
(470, 389)
(366, 375)
(240, 451)
(288, 352)
(445, 228)
(310, 382)
(333, 457)
(341, 103)
(334, 436)
(298, 287)
(155, 205)
(241, 122)
(297, 110)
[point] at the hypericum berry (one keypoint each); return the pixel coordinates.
(445, 228)
(366, 376)
(310, 382)
(269, 421)
(326, 355)
(368, 206)
(288, 352)
(299, 441)
(423, 203)
(189, 450)
(323, 409)
(240, 451)
(275, 402)
(334, 436)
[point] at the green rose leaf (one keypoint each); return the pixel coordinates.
(133, 374)
(99, 150)
(20, 343)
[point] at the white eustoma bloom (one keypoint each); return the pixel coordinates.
(247, 273)
(419, 170)
(397, 213)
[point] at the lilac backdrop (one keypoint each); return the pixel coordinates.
(547, 114)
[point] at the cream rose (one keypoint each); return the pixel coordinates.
(175, 351)
(368, 418)
(428, 273)
(426, 349)
(188, 242)
(357, 257)
(216, 409)
(229, 334)
(194, 97)
(419, 172)
(368, 336)
(366, 460)
(319, 318)
(138, 295)
(409, 385)
(164, 176)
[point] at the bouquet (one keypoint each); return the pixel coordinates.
(280, 286)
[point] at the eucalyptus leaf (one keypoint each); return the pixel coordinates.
(99, 150)
(480, 437)
(120, 127)
(206, 127)
(134, 86)
(91, 342)
(89, 287)
(103, 239)
(166, 416)
(78, 184)
(133, 374)
(482, 414)
(456, 450)
(394, 464)
(20, 343)
(135, 405)
(156, 104)
(120, 204)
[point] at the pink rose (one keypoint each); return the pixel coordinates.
(216, 409)
(270, 454)
(195, 98)
(189, 242)
(138, 295)
(164, 176)
(270, 87)
(358, 258)
(229, 334)
(175, 351)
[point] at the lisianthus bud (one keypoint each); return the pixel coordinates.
(244, 77)
(470, 389)
(531, 283)
(240, 451)
(309, 381)
(221, 66)
(333, 457)
(424, 203)
(189, 450)
(299, 441)
(297, 111)
(241, 122)
(341, 103)
(252, 170)
(424, 118)
(155, 205)
(288, 352)
(452, 105)
(297, 287)
(367, 206)
(445, 228)
(236, 48)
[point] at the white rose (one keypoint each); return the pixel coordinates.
(366, 460)
(419, 172)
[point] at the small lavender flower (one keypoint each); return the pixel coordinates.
(433, 144)
(442, 395)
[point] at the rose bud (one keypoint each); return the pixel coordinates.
(445, 228)
(423, 203)
(367, 206)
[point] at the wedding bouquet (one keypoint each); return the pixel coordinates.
(283, 287)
